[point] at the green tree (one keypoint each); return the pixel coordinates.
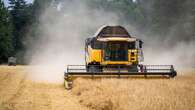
(21, 14)
(6, 47)
(161, 15)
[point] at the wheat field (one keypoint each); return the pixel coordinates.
(17, 92)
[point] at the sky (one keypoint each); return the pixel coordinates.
(29, 1)
(7, 2)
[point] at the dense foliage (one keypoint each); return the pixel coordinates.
(174, 19)
(6, 44)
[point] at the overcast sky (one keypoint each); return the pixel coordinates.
(29, 1)
(6, 1)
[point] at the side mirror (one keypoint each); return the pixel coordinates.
(140, 44)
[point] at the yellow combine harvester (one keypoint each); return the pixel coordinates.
(113, 52)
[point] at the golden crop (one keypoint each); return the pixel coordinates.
(17, 92)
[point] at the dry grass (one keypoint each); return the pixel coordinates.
(19, 93)
(137, 94)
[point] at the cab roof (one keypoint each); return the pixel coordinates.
(112, 31)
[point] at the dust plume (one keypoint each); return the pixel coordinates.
(64, 28)
(172, 40)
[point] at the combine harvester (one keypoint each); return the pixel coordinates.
(112, 52)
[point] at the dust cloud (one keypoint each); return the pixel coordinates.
(63, 33)
(64, 28)
(176, 44)
(181, 55)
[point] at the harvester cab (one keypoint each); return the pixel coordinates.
(114, 52)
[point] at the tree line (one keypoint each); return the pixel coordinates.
(160, 18)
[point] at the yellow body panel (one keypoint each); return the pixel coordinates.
(116, 63)
(95, 55)
(133, 56)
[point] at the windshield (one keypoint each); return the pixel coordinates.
(116, 51)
